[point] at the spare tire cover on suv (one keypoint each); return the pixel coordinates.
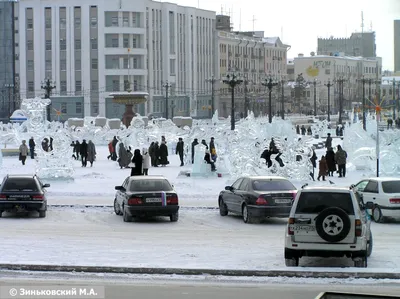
(333, 224)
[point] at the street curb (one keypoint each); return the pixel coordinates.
(108, 206)
(195, 272)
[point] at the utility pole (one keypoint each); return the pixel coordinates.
(364, 119)
(315, 96)
(340, 82)
(269, 84)
(283, 98)
(232, 81)
(212, 80)
(246, 100)
(329, 85)
(48, 86)
(369, 90)
(167, 87)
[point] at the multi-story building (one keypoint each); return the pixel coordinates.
(358, 44)
(8, 82)
(396, 45)
(254, 59)
(391, 95)
(324, 69)
(93, 48)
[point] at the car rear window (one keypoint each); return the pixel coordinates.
(20, 184)
(272, 185)
(391, 187)
(315, 202)
(150, 185)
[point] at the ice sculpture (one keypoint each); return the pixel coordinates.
(35, 109)
(200, 167)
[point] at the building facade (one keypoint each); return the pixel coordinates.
(396, 45)
(254, 59)
(8, 81)
(324, 69)
(93, 48)
(358, 44)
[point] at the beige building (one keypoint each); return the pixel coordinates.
(324, 69)
(253, 58)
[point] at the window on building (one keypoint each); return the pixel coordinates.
(114, 43)
(48, 45)
(77, 23)
(48, 65)
(126, 63)
(63, 44)
(29, 24)
(78, 64)
(78, 86)
(78, 108)
(125, 21)
(172, 67)
(63, 65)
(95, 109)
(31, 86)
(29, 45)
(94, 43)
(93, 22)
(64, 108)
(48, 23)
(115, 85)
(135, 85)
(63, 23)
(115, 62)
(95, 64)
(63, 89)
(78, 44)
(127, 85)
(134, 19)
(114, 21)
(134, 43)
(126, 41)
(30, 65)
(94, 86)
(135, 63)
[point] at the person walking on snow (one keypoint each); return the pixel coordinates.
(91, 152)
(32, 145)
(23, 152)
(146, 161)
(180, 149)
(328, 142)
(84, 152)
(323, 168)
(194, 143)
(137, 160)
(340, 158)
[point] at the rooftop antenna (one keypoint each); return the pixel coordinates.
(253, 20)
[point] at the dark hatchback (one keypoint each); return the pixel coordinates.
(258, 197)
(146, 196)
(23, 193)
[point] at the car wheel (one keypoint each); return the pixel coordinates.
(247, 217)
(117, 209)
(126, 217)
(223, 209)
(377, 214)
(42, 214)
(361, 262)
(174, 217)
(333, 224)
(370, 245)
(293, 262)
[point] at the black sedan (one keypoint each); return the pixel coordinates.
(23, 193)
(146, 196)
(257, 197)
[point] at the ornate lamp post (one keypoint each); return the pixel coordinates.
(212, 80)
(232, 81)
(269, 83)
(48, 86)
(329, 85)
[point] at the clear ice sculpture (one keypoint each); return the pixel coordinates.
(200, 167)
(35, 110)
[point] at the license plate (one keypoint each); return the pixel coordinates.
(153, 199)
(282, 200)
(18, 196)
(304, 228)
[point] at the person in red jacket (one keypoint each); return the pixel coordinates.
(323, 168)
(110, 150)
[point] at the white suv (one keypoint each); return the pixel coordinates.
(328, 222)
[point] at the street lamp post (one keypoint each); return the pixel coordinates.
(48, 86)
(364, 119)
(340, 82)
(283, 98)
(212, 80)
(315, 96)
(394, 99)
(329, 85)
(269, 84)
(167, 86)
(232, 81)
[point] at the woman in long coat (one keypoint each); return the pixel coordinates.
(138, 161)
(123, 158)
(330, 160)
(163, 154)
(91, 151)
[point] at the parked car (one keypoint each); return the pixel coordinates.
(146, 196)
(384, 193)
(257, 197)
(23, 193)
(328, 222)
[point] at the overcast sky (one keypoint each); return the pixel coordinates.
(302, 22)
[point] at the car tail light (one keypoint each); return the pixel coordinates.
(135, 201)
(290, 231)
(395, 200)
(172, 199)
(358, 228)
(37, 197)
(261, 201)
(3, 196)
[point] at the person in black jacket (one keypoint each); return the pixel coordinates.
(77, 149)
(114, 145)
(84, 152)
(163, 154)
(194, 143)
(138, 161)
(179, 149)
(32, 145)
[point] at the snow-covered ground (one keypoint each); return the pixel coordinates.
(200, 239)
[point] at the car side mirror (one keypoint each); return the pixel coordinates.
(228, 188)
(119, 188)
(369, 205)
(46, 186)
